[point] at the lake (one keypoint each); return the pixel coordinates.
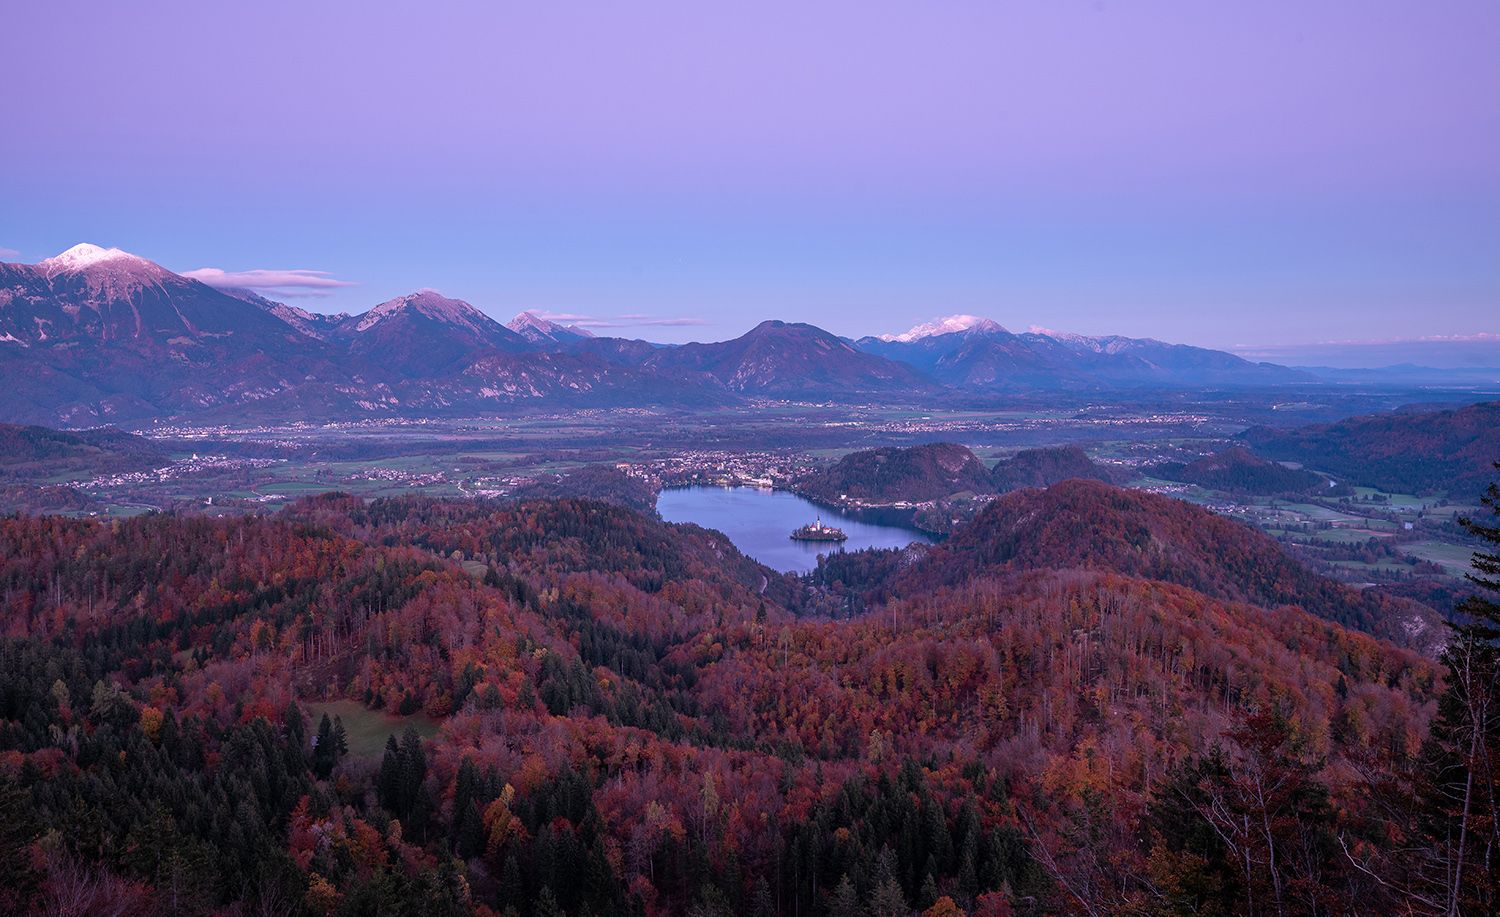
(760, 523)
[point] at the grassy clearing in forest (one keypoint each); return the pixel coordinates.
(368, 729)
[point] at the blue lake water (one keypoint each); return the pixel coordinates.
(760, 523)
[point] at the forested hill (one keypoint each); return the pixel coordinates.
(625, 717)
(1403, 451)
(1045, 467)
(1239, 470)
(935, 471)
(547, 541)
(591, 482)
(914, 473)
(1091, 525)
(44, 452)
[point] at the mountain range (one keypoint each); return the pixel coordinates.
(970, 352)
(98, 335)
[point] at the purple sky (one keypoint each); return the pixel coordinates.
(1216, 173)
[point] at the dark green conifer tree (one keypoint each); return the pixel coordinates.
(1462, 755)
(324, 756)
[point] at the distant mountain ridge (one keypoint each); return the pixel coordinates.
(539, 330)
(97, 335)
(784, 358)
(968, 352)
(953, 324)
(424, 334)
(313, 324)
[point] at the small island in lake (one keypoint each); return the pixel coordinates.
(817, 531)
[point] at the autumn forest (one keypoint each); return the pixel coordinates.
(592, 712)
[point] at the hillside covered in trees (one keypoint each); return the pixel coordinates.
(1401, 451)
(1044, 467)
(40, 452)
(936, 471)
(592, 482)
(1089, 525)
(1238, 470)
(893, 473)
(631, 717)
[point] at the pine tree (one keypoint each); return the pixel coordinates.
(928, 896)
(512, 884)
(548, 905)
(340, 739)
(887, 899)
(1462, 754)
(968, 832)
(412, 803)
(388, 784)
(18, 829)
(323, 748)
(1481, 615)
(762, 904)
(845, 901)
(293, 727)
(465, 791)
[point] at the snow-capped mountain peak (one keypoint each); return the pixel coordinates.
(952, 324)
(85, 255)
(106, 272)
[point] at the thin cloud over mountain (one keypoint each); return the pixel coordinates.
(279, 282)
(633, 320)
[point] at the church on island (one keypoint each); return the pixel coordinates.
(817, 531)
